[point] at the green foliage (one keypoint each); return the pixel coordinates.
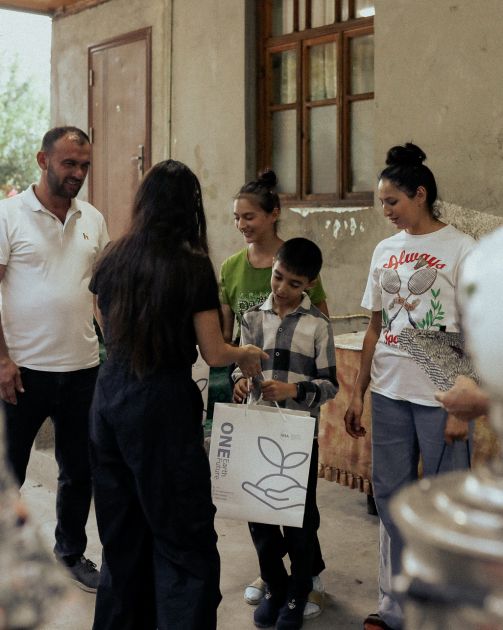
(24, 118)
(385, 318)
(435, 314)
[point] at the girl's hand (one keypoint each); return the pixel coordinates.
(249, 360)
(353, 416)
(277, 390)
(241, 390)
(455, 429)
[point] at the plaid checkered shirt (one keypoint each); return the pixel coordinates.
(300, 348)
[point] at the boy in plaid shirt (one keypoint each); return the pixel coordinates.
(299, 374)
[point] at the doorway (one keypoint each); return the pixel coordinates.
(120, 105)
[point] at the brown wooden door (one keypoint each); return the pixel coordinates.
(119, 124)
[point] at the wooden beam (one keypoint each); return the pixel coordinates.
(56, 8)
(43, 8)
(76, 6)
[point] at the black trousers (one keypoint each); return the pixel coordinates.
(161, 567)
(299, 543)
(66, 398)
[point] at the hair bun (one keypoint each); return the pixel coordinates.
(408, 155)
(267, 179)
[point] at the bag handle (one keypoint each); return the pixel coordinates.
(444, 448)
(248, 399)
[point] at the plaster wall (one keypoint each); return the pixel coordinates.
(203, 114)
(71, 37)
(438, 82)
(212, 131)
(437, 64)
(209, 108)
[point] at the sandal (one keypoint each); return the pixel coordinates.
(254, 592)
(374, 622)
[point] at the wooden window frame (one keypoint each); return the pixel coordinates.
(301, 41)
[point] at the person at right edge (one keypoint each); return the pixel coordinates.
(412, 283)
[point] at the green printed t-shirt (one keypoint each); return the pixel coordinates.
(243, 286)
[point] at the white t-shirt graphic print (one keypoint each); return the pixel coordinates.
(412, 281)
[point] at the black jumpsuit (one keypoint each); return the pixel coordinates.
(151, 478)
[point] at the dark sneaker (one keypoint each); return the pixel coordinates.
(266, 613)
(84, 574)
(291, 615)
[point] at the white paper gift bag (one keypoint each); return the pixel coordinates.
(259, 459)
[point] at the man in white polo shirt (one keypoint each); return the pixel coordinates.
(49, 243)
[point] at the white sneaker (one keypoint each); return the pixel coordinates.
(315, 599)
(254, 592)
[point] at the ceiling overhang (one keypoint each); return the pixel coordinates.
(54, 8)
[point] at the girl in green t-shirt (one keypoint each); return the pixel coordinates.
(245, 280)
(245, 277)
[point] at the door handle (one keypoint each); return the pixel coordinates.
(140, 161)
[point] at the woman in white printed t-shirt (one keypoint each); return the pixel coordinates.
(411, 284)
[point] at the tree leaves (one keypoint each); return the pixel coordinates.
(385, 318)
(24, 118)
(435, 315)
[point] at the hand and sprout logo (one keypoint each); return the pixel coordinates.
(279, 490)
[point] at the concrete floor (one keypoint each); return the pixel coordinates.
(348, 536)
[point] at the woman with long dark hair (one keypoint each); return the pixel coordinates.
(245, 277)
(158, 296)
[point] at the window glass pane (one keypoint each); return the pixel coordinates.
(284, 149)
(322, 12)
(364, 8)
(284, 77)
(302, 15)
(362, 64)
(345, 10)
(282, 17)
(362, 146)
(322, 71)
(323, 149)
